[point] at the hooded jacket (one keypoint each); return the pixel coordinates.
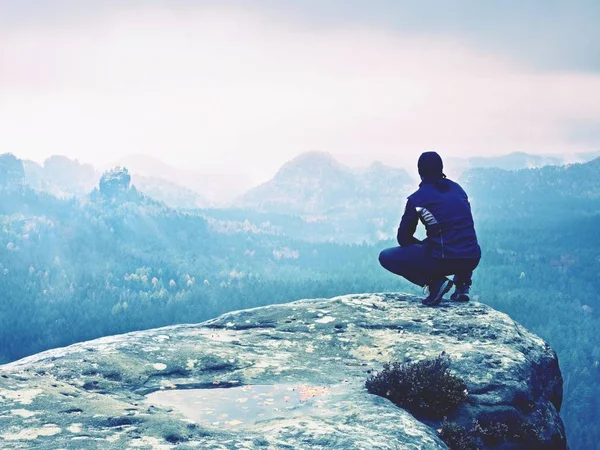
(444, 208)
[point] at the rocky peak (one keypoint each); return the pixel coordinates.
(313, 167)
(315, 183)
(282, 376)
(114, 182)
(308, 161)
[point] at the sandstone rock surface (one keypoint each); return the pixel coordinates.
(279, 377)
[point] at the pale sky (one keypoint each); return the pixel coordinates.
(243, 86)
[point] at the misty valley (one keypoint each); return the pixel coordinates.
(85, 254)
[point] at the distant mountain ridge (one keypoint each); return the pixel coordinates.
(313, 184)
(316, 183)
(513, 161)
(61, 176)
(544, 193)
(65, 178)
(213, 189)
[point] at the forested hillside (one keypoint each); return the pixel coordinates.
(73, 270)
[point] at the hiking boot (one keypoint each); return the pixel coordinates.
(461, 293)
(437, 289)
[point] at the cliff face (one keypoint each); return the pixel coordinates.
(280, 377)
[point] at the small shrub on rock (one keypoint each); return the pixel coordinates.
(425, 388)
(457, 437)
(492, 435)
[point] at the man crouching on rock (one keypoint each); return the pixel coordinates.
(451, 246)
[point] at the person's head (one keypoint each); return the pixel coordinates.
(430, 166)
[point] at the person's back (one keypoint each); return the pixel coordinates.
(443, 207)
(451, 247)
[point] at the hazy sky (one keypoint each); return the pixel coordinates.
(243, 86)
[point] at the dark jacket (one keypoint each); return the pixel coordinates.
(444, 208)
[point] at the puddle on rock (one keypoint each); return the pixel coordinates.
(243, 406)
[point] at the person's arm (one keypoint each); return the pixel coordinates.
(408, 226)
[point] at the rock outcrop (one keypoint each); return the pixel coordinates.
(115, 182)
(280, 377)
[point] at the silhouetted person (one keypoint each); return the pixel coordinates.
(451, 246)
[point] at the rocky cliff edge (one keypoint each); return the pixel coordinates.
(280, 377)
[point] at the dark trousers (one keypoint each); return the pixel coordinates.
(414, 263)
